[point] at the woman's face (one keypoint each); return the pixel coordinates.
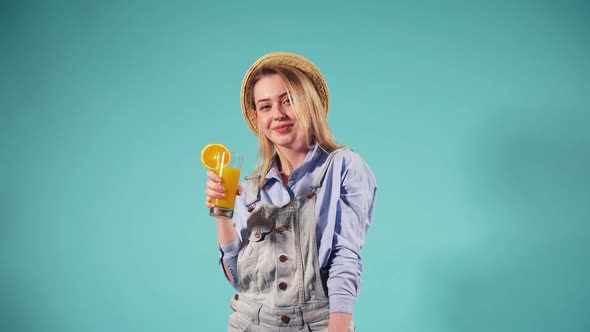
(274, 113)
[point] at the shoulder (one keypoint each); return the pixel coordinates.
(348, 158)
(349, 162)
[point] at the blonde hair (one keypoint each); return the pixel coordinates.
(308, 108)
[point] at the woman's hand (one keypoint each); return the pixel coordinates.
(215, 189)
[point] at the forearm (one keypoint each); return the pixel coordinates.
(226, 232)
(339, 322)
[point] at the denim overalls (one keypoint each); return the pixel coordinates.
(278, 271)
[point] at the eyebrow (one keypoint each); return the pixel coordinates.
(267, 99)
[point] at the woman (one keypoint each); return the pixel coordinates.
(292, 248)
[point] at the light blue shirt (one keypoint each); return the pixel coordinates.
(344, 208)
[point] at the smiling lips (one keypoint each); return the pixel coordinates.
(282, 128)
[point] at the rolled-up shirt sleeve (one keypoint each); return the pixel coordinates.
(353, 214)
(228, 255)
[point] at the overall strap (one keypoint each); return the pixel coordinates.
(319, 179)
(252, 192)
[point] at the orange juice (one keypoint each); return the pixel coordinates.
(230, 178)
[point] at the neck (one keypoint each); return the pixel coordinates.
(291, 159)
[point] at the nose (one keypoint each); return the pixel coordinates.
(279, 113)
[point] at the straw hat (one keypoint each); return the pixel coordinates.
(281, 58)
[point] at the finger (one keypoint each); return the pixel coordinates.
(213, 194)
(213, 176)
(215, 186)
(208, 202)
(240, 190)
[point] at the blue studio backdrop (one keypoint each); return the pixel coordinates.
(473, 115)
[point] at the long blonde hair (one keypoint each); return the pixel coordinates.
(309, 112)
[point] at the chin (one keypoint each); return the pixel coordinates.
(290, 144)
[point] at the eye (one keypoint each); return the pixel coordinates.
(264, 108)
(287, 101)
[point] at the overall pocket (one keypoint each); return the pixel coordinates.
(249, 256)
(259, 233)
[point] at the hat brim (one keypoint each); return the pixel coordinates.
(281, 58)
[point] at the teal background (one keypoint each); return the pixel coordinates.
(473, 115)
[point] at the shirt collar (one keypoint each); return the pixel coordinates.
(314, 155)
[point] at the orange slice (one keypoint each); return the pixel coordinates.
(211, 151)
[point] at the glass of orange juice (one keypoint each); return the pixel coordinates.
(229, 172)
